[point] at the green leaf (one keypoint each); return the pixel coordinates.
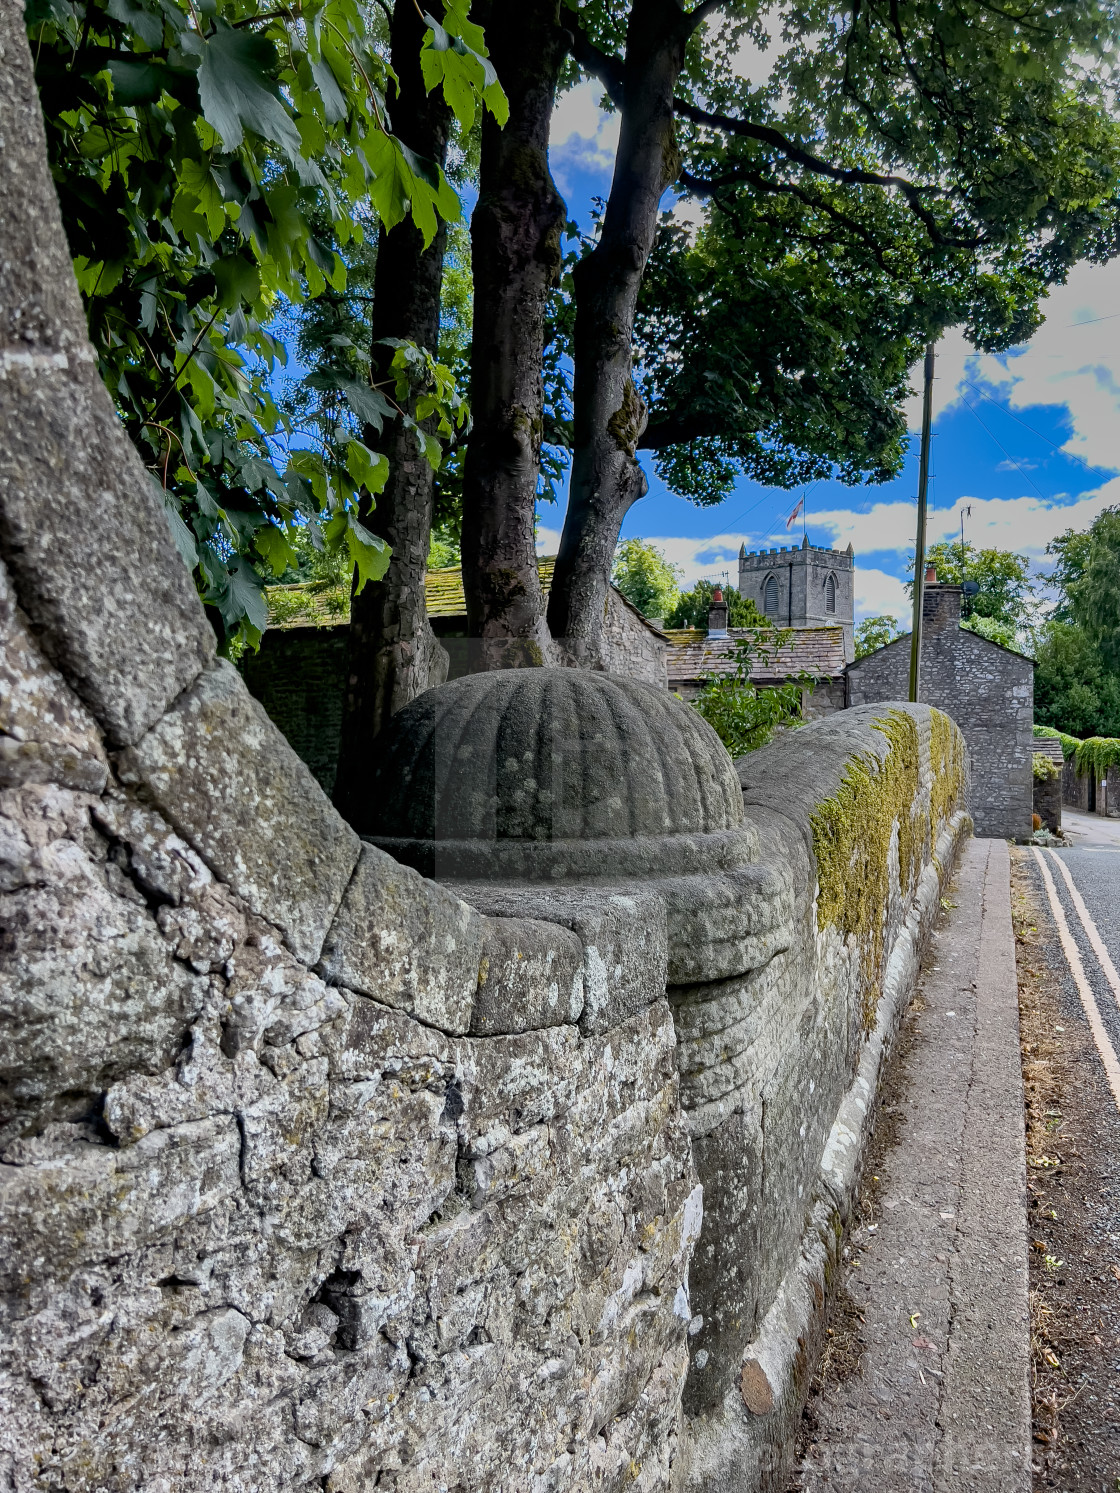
(146, 22)
(238, 279)
(334, 100)
(368, 469)
(238, 91)
(273, 546)
(243, 597)
(370, 554)
(136, 82)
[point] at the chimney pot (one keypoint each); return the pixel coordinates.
(931, 576)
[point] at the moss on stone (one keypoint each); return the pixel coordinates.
(897, 801)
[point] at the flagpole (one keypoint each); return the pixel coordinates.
(920, 546)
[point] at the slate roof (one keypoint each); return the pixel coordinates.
(1048, 746)
(818, 651)
(321, 604)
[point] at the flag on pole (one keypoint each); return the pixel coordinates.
(793, 516)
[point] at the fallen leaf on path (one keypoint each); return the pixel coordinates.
(923, 1342)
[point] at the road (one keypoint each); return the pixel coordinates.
(1069, 972)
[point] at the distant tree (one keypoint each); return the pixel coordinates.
(745, 715)
(692, 606)
(1007, 590)
(1074, 689)
(644, 576)
(993, 629)
(875, 632)
(1088, 573)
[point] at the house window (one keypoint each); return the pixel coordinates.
(830, 594)
(770, 597)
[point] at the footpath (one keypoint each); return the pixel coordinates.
(926, 1382)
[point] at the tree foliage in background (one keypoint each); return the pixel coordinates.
(744, 715)
(1088, 572)
(644, 576)
(875, 632)
(1007, 593)
(1077, 682)
(211, 162)
(691, 609)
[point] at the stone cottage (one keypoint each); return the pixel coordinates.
(987, 689)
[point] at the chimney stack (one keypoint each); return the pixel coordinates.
(717, 615)
(941, 605)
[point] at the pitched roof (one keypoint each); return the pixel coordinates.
(807, 650)
(323, 604)
(1048, 746)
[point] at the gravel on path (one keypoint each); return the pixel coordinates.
(925, 1383)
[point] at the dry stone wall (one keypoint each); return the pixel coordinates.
(315, 1174)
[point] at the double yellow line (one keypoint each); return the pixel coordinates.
(1077, 969)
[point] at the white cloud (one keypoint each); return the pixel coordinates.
(878, 594)
(548, 540)
(1074, 359)
(582, 135)
(1024, 525)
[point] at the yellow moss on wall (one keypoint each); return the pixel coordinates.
(881, 802)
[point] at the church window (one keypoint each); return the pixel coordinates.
(770, 597)
(830, 594)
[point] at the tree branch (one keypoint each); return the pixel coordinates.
(844, 175)
(700, 13)
(609, 70)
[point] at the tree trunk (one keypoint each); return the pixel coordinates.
(393, 654)
(515, 233)
(609, 414)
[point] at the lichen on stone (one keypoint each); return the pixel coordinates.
(894, 801)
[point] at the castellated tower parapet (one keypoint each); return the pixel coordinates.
(807, 586)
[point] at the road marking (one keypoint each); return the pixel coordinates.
(1091, 930)
(1084, 989)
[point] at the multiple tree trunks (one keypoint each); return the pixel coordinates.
(394, 655)
(515, 231)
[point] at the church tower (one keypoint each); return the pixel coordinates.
(806, 587)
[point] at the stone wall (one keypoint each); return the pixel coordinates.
(989, 692)
(860, 817)
(1048, 801)
(314, 1175)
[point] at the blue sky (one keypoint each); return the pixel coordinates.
(1030, 440)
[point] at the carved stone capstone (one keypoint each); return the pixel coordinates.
(556, 775)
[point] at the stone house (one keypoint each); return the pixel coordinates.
(818, 651)
(987, 689)
(299, 673)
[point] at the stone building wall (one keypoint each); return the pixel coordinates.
(312, 1174)
(299, 676)
(988, 691)
(1048, 802)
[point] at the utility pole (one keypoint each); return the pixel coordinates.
(920, 547)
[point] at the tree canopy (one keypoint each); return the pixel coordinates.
(214, 164)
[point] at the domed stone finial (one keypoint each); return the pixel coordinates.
(552, 775)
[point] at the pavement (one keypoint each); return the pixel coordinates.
(1090, 831)
(937, 1282)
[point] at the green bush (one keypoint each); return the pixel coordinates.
(1043, 768)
